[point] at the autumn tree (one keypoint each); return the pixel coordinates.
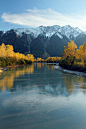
(0, 51)
(8, 57)
(69, 50)
(82, 50)
(9, 51)
(30, 57)
(3, 50)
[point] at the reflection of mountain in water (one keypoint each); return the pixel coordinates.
(41, 78)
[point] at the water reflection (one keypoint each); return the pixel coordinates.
(43, 79)
(7, 78)
(41, 95)
(74, 82)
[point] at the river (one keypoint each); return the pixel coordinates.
(39, 97)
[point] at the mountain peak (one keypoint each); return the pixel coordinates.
(67, 26)
(43, 39)
(70, 32)
(78, 30)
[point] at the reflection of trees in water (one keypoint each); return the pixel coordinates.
(68, 80)
(44, 79)
(8, 78)
(74, 82)
(47, 80)
(39, 65)
(58, 83)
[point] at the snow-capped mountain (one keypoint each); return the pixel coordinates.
(42, 41)
(70, 32)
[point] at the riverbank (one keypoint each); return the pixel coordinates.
(70, 71)
(2, 69)
(53, 63)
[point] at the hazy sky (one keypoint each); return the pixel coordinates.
(34, 13)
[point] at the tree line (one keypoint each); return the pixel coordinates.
(73, 58)
(8, 57)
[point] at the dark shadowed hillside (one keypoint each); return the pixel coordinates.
(42, 41)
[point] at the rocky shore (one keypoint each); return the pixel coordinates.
(3, 69)
(13, 66)
(69, 71)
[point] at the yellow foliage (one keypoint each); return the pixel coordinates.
(3, 50)
(30, 57)
(7, 51)
(69, 50)
(53, 59)
(39, 59)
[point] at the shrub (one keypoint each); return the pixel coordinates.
(22, 61)
(2, 62)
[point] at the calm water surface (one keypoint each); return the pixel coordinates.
(39, 97)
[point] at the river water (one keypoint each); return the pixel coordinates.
(39, 97)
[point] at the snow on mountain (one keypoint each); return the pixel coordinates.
(70, 32)
(60, 36)
(78, 30)
(49, 34)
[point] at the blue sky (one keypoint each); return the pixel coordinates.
(34, 13)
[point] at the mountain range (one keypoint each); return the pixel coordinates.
(42, 41)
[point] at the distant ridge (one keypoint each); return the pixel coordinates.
(41, 40)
